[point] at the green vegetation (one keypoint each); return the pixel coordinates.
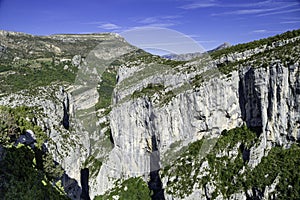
(150, 65)
(172, 153)
(281, 163)
(255, 44)
(93, 164)
(167, 97)
(286, 54)
(150, 90)
(106, 88)
(198, 80)
(34, 47)
(172, 63)
(132, 188)
(25, 171)
(140, 56)
(230, 172)
(32, 74)
(231, 138)
(21, 178)
(224, 169)
(4, 68)
(15, 121)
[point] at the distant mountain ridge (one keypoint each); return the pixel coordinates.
(222, 46)
(190, 56)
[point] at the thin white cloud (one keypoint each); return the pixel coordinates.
(212, 3)
(290, 22)
(154, 25)
(158, 21)
(243, 12)
(280, 12)
(193, 35)
(198, 5)
(259, 31)
(104, 25)
(259, 11)
(171, 16)
(109, 26)
(148, 20)
(161, 25)
(263, 31)
(248, 5)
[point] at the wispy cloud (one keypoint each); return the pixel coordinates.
(109, 26)
(159, 21)
(259, 31)
(263, 8)
(290, 22)
(193, 35)
(213, 3)
(161, 25)
(268, 9)
(242, 12)
(280, 12)
(104, 25)
(148, 20)
(198, 5)
(263, 31)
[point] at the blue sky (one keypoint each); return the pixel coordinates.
(209, 22)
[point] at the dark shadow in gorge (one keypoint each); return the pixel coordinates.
(249, 101)
(155, 183)
(71, 187)
(84, 178)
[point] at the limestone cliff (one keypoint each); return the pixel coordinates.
(260, 92)
(198, 129)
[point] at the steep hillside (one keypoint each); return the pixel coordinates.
(115, 122)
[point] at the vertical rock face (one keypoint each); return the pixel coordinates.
(269, 100)
(188, 117)
(250, 98)
(130, 157)
(266, 99)
(66, 106)
(210, 109)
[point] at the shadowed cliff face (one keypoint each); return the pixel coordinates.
(249, 100)
(269, 101)
(71, 187)
(85, 184)
(155, 183)
(66, 116)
